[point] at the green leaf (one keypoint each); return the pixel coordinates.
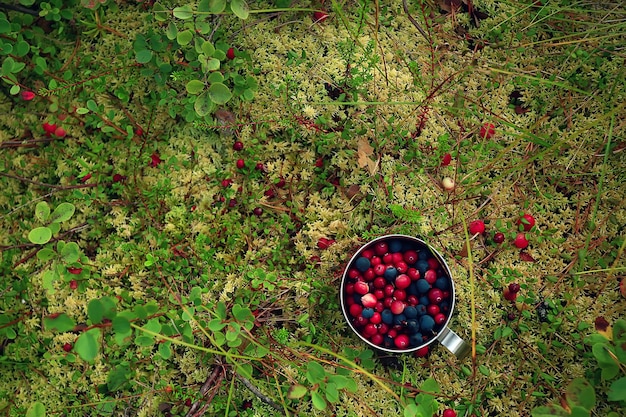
(240, 8)
(203, 105)
(551, 410)
(617, 391)
(95, 311)
(410, 410)
(70, 253)
(87, 344)
(144, 341)
(217, 6)
(160, 14)
(207, 48)
(40, 235)
(61, 323)
(15, 89)
(209, 64)
(215, 77)
(143, 56)
(316, 372)
(62, 212)
(118, 377)
(36, 409)
(165, 349)
(219, 93)
(609, 365)
(430, 385)
(183, 12)
(318, 401)
(46, 254)
(577, 411)
(194, 86)
(171, 31)
(184, 37)
(22, 48)
(242, 313)
(339, 380)
(5, 26)
(332, 394)
(120, 324)
(296, 391)
(619, 339)
(580, 392)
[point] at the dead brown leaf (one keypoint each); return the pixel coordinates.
(364, 154)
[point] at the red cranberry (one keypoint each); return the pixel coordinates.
(520, 241)
(387, 302)
(498, 237)
(73, 284)
(432, 309)
(413, 273)
(401, 341)
(380, 294)
(435, 295)
(230, 53)
(376, 318)
(410, 257)
(257, 211)
(433, 263)
(361, 287)
(67, 347)
(367, 253)
(448, 412)
(487, 130)
(379, 270)
(376, 261)
(241, 163)
(353, 273)
(399, 295)
(260, 167)
(397, 257)
(389, 289)
(379, 282)
(349, 288)
(238, 146)
(377, 339)
(412, 300)
(527, 221)
(388, 259)
(370, 330)
(402, 267)
(440, 319)
(227, 182)
(319, 16)
(514, 287)
(421, 352)
(369, 300)
(397, 307)
(430, 276)
(403, 281)
(446, 159)
(356, 310)
(477, 227)
(281, 183)
(369, 275)
(380, 248)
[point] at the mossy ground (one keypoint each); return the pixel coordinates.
(557, 153)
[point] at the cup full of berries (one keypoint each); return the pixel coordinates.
(397, 295)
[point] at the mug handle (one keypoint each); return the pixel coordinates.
(453, 342)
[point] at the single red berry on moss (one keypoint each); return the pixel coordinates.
(260, 167)
(139, 131)
(269, 193)
(85, 178)
(514, 287)
(477, 227)
(498, 237)
(446, 159)
(527, 221)
(230, 54)
(74, 271)
(232, 202)
(319, 16)
(188, 402)
(28, 95)
(59, 132)
(49, 128)
(319, 162)
(324, 243)
(73, 284)
(238, 146)
(448, 412)
(227, 182)
(155, 160)
(67, 347)
(118, 178)
(487, 131)
(257, 211)
(508, 295)
(241, 163)
(421, 352)
(521, 241)
(281, 183)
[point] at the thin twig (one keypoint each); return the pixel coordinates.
(43, 184)
(267, 400)
(417, 25)
(20, 9)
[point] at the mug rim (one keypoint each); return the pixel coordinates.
(444, 265)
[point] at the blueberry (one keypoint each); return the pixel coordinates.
(421, 266)
(388, 342)
(443, 283)
(399, 318)
(427, 323)
(423, 255)
(387, 316)
(357, 298)
(362, 264)
(412, 290)
(444, 306)
(391, 274)
(416, 339)
(367, 313)
(412, 326)
(422, 286)
(395, 246)
(410, 312)
(420, 309)
(424, 300)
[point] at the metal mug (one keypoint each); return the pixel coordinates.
(448, 338)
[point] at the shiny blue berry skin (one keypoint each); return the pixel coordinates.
(423, 255)
(367, 313)
(443, 283)
(421, 266)
(416, 339)
(387, 316)
(421, 309)
(445, 306)
(391, 274)
(410, 312)
(395, 246)
(424, 300)
(362, 264)
(399, 319)
(422, 286)
(412, 326)
(427, 323)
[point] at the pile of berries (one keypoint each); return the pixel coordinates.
(396, 294)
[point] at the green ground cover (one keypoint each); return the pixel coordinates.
(183, 183)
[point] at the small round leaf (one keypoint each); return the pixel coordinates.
(184, 37)
(194, 86)
(183, 12)
(87, 345)
(40, 235)
(42, 211)
(143, 56)
(62, 212)
(240, 8)
(203, 105)
(220, 94)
